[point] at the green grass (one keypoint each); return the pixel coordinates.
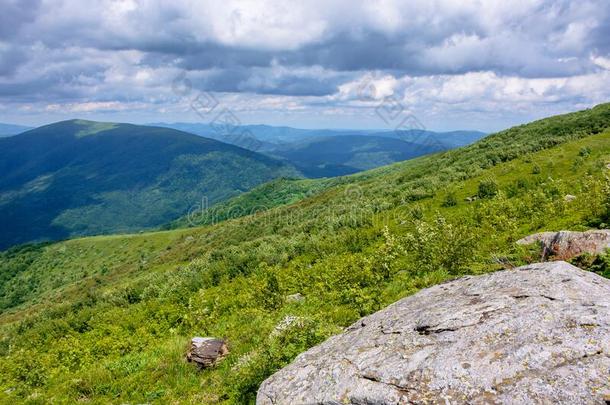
(107, 319)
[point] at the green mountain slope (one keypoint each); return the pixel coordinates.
(260, 199)
(107, 319)
(421, 177)
(82, 178)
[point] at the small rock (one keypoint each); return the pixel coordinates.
(565, 245)
(207, 351)
(569, 198)
(298, 297)
(189, 239)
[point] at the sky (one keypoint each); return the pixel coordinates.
(442, 64)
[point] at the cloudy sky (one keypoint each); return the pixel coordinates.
(453, 64)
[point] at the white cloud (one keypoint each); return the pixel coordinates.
(315, 57)
(602, 62)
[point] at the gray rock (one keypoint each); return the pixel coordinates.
(537, 334)
(298, 297)
(565, 245)
(207, 351)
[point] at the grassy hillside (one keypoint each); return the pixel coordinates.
(107, 319)
(260, 199)
(421, 177)
(82, 178)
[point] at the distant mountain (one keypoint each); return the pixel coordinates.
(345, 154)
(10, 129)
(329, 152)
(81, 178)
(257, 137)
(450, 140)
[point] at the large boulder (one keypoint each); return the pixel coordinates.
(535, 334)
(565, 245)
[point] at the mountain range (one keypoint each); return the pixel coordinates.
(331, 152)
(338, 155)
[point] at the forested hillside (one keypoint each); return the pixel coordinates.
(107, 319)
(82, 178)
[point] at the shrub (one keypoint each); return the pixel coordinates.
(488, 188)
(584, 152)
(440, 246)
(536, 169)
(270, 295)
(599, 264)
(450, 200)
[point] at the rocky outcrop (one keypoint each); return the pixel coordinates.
(535, 334)
(206, 351)
(565, 245)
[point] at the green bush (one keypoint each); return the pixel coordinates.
(441, 245)
(450, 201)
(488, 188)
(584, 152)
(599, 264)
(536, 169)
